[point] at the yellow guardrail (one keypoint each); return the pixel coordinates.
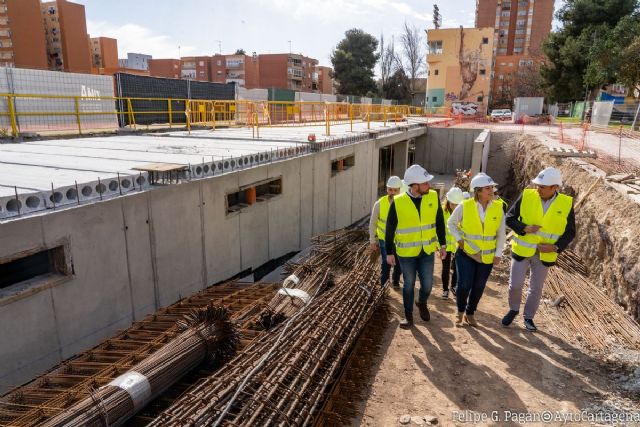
(42, 113)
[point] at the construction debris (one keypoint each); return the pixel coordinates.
(571, 152)
(270, 383)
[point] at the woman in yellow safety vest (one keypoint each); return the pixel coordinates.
(453, 198)
(478, 226)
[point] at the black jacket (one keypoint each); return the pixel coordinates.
(514, 222)
(392, 224)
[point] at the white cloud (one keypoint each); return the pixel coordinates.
(139, 39)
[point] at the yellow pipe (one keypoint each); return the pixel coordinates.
(77, 102)
(12, 114)
(170, 113)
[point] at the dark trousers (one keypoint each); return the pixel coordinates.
(472, 279)
(385, 268)
(448, 265)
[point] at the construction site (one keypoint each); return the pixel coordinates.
(178, 262)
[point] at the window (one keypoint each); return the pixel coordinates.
(523, 4)
(436, 72)
(505, 14)
(434, 99)
(33, 267)
(504, 23)
(520, 31)
(519, 41)
(480, 98)
(502, 51)
(520, 23)
(201, 63)
(255, 193)
(435, 47)
(343, 164)
(525, 62)
(485, 40)
(517, 50)
(522, 12)
(483, 72)
(219, 63)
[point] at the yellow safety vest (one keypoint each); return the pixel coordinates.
(451, 243)
(552, 224)
(481, 238)
(385, 204)
(416, 230)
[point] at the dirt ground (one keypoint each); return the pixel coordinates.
(490, 375)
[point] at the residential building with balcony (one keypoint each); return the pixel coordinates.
(104, 52)
(22, 40)
(65, 31)
(459, 66)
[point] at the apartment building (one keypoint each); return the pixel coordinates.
(104, 52)
(135, 61)
(459, 66)
(321, 80)
(22, 42)
(520, 27)
(65, 31)
(196, 68)
(287, 71)
(170, 68)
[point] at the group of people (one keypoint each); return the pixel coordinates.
(467, 232)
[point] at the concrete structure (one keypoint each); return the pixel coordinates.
(520, 28)
(118, 259)
(66, 36)
(459, 66)
(196, 68)
(322, 81)
(104, 52)
(135, 61)
(22, 40)
(170, 68)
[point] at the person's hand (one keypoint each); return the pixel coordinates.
(443, 252)
(461, 244)
(496, 260)
(546, 247)
(391, 260)
(531, 229)
(374, 246)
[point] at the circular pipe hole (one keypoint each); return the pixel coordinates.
(226, 165)
(101, 188)
(206, 168)
(125, 183)
(56, 197)
(233, 163)
(246, 161)
(14, 205)
(220, 165)
(113, 185)
(86, 191)
(255, 158)
(261, 157)
(198, 170)
(32, 202)
(71, 194)
(140, 180)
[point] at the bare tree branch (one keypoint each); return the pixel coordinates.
(413, 52)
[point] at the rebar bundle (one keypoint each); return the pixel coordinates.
(592, 315)
(207, 333)
(311, 276)
(283, 377)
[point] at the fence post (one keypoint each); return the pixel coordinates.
(170, 113)
(77, 102)
(351, 117)
(132, 118)
(12, 115)
(619, 145)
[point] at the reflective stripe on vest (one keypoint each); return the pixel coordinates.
(553, 223)
(382, 216)
(481, 238)
(451, 243)
(415, 230)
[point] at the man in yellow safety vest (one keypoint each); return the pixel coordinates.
(377, 227)
(543, 221)
(415, 224)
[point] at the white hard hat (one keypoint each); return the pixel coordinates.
(481, 180)
(454, 195)
(416, 174)
(466, 195)
(549, 176)
(394, 182)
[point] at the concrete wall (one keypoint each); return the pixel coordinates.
(136, 253)
(443, 150)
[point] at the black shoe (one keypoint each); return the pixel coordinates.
(445, 294)
(424, 311)
(407, 322)
(396, 285)
(453, 290)
(508, 318)
(529, 325)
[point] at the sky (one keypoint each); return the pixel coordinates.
(170, 29)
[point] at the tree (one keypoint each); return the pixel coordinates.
(387, 61)
(527, 81)
(240, 52)
(571, 50)
(353, 62)
(398, 87)
(413, 52)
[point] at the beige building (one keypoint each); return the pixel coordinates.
(459, 66)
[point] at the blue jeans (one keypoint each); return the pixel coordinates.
(472, 279)
(385, 268)
(423, 265)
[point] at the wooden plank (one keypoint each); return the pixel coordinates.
(161, 167)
